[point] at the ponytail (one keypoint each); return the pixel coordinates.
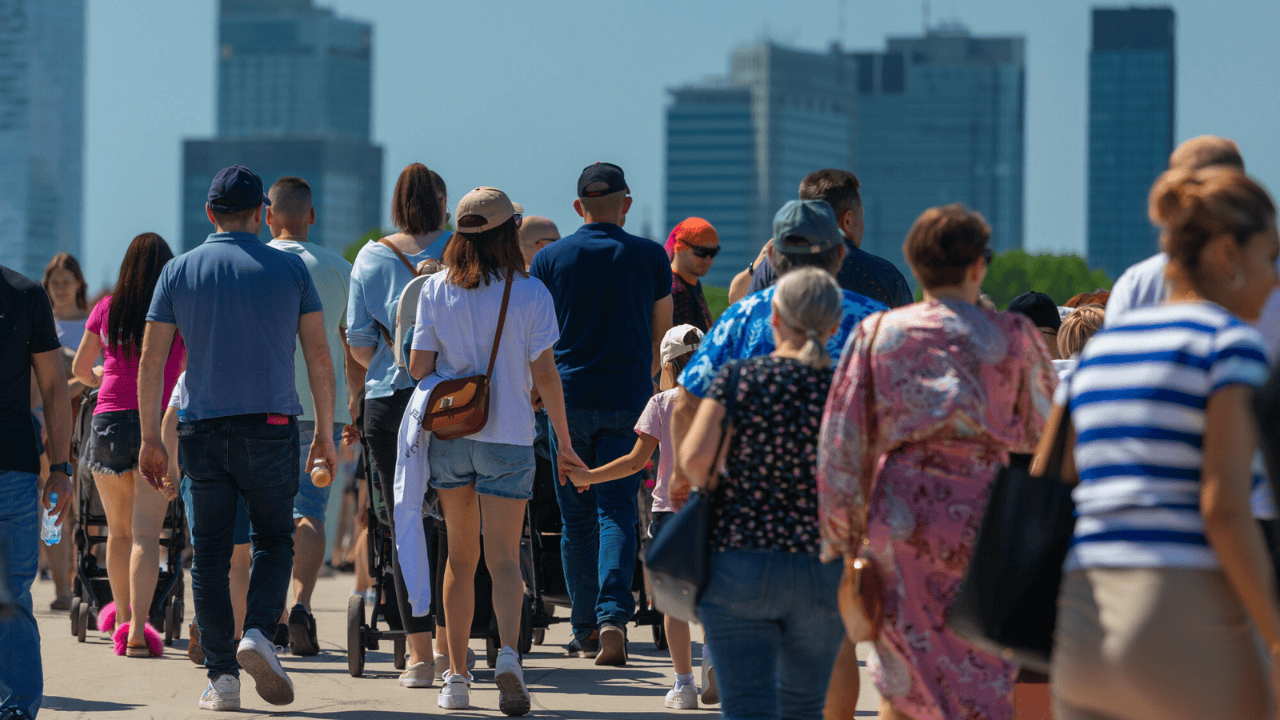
(809, 301)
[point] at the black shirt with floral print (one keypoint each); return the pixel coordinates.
(767, 498)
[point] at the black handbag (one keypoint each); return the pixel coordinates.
(679, 558)
(1008, 601)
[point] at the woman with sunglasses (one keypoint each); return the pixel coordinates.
(692, 248)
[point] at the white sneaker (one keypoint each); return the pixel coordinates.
(456, 693)
(683, 697)
(223, 693)
(257, 656)
(418, 675)
(513, 695)
(710, 689)
(442, 663)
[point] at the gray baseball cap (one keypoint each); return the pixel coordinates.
(811, 222)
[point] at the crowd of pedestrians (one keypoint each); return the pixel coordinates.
(823, 415)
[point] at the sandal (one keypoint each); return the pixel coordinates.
(153, 648)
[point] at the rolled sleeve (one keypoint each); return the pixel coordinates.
(362, 329)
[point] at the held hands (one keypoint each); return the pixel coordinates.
(153, 460)
(580, 477)
(567, 461)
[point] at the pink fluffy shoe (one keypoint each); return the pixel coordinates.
(153, 648)
(107, 618)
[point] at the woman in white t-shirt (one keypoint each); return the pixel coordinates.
(486, 478)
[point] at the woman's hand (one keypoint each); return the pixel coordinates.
(566, 460)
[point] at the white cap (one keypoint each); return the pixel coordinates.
(673, 345)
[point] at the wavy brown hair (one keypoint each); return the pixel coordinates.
(68, 262)
(139, 272)
(491, 254)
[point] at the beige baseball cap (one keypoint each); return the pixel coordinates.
(488, 204)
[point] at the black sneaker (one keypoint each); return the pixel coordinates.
(302, 632)
(588, 647)
(281, 640)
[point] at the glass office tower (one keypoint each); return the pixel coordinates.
(1131, 126)
(41, 132)
(294, 98)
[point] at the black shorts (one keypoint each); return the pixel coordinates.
(114, 442)
(656, 522)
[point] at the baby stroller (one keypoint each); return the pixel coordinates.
(91, 590)
(542, 546)
(365, 635)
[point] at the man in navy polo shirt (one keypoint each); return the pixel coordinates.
(612, 293)
(239, 305)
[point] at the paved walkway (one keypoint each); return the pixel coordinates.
(89, 680)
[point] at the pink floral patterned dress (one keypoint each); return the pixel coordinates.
(927, 404)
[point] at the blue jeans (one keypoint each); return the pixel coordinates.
(772, 620)
(21, 674)
(598, 544)
(231, 459)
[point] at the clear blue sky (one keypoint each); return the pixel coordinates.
(522, 95)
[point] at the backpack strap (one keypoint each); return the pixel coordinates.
(502, 320)
(400, 255)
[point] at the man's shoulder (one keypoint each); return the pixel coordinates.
(878, 264)
(15, 282)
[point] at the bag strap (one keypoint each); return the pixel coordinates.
(1059, 449)
(502, 320)
(400, 255)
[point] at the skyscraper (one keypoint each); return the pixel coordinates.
(1131, 126)
(940, 120)
(41, 131)
(294, 98)
(931, 120)
(738, 148)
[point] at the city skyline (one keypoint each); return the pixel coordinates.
(529, 130)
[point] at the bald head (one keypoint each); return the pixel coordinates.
(1206, 151)
(536, 232)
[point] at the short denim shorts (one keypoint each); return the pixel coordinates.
(504, 471)
(114, 442)
(311, 501)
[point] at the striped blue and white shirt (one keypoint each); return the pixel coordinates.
(1138, 402)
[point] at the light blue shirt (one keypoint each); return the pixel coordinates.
(237, 303)
(377, 279)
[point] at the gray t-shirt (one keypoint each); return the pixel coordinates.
(237, 303)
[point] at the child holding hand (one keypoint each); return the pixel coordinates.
(654, 432)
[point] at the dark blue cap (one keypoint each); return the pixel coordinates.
(235, 189)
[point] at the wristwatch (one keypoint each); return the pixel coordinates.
(64, 468)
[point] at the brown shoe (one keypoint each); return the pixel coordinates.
(194, 652)
(613, 646)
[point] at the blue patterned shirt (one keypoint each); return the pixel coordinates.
(744, 331)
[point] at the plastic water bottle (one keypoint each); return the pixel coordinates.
(320, 475)
(50, 525)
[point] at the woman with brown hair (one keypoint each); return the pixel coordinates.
(135, 510)
(1168, 587)
(486, 478)
(68, 294)
(929, 401)
(378, 276)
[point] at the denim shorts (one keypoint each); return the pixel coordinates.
(504, 471)
(311, 501)
(114, 441)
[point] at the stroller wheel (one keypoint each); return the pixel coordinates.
(75, 616)
(398, 650)
(355, 635)
(539, 636)
(82, 629)
(659, 635)
(524, 643)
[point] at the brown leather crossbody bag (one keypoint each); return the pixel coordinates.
(458, 408)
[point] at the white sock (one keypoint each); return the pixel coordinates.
(683, 679)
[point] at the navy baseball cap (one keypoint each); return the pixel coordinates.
(812, 221)
(235, 189)
(601, 179)
(1041, 308)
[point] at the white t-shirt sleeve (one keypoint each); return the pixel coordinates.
(424, 328)
(544, 331)
(179, 396)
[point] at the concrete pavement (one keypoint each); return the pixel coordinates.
(87, 680)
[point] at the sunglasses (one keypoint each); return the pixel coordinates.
(518, 218)
(705, 252)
